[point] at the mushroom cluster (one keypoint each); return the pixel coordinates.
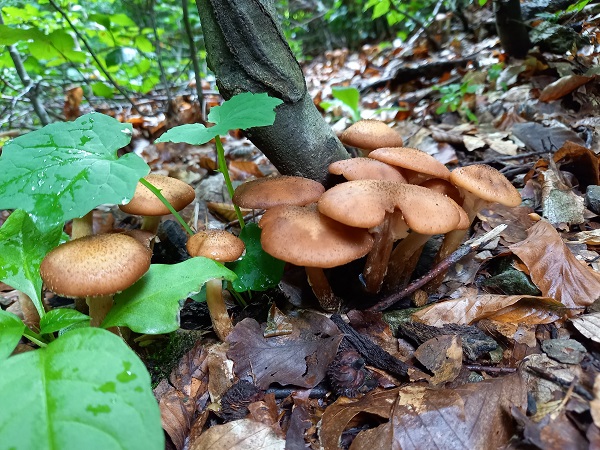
(394, 194)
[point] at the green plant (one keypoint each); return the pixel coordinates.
(453, 97)
(346, 97)
(86, 375)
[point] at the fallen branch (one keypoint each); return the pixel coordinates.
(443, 266)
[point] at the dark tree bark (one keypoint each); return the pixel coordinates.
(513, 33)
(248, 53)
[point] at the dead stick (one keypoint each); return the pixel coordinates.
(443, 266)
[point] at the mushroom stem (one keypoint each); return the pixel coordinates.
(322, 289)
(31, 316)
(151, 223)
(216, 306)
(377, 260)
(99, 308)
(82, 226)
(403, 260)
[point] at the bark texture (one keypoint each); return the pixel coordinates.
(247, 52)
(513, 33)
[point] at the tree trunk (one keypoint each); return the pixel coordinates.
(248, 53)
(513, 33)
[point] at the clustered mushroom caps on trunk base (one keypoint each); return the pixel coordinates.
(95, 268)
(220, 246)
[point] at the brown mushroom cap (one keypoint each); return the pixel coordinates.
(364, 203)
(217, 245)
(94, 266)
(371, 134)
(145, 203)
(411, 159)
(486, 183)
(265, 193)
(365, 169)
(302, 236)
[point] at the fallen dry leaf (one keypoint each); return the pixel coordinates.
(562, 87)
(443, 356)
(595, 403)
(241, 434)
(554, 269)
(470, 416)
(588, 325)
(300, 358)
(470, 308)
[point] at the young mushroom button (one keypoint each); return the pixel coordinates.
(145, 203)
(95, 267)
(220, 246)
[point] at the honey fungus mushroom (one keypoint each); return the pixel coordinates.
(145, 203)
(369, 134)
(220, 246)
(95, 267)
(265, 193)
(302, 236)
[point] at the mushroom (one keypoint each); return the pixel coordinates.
(265, 193)
(368, 134)
(372, 204)
(95, 267)
(302, 236)
(480, 185)
(220, 246)
(147, 204)
(417, 166)
(365, 169)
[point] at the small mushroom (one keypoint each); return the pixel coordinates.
(480, 185)
(389, 209)
(368, 134)
(302, 236)
(95, 267)
(365, 169)
(416, 165)
(145, 203)
(220, 246)
(265, 193)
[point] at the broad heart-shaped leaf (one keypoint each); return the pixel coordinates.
(241, 111)
(86, 390)
(65, 170)
(11, 330)
(151, 305)
(60, 318)
(22, 248)
(257, 270)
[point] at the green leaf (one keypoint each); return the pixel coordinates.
(151, 305)
(257, 270)
(22, 248)
(86, 390)
(349, 96)
(102, 90)
(11, 330)
(241, 111)
(65, 170)
(120, 55)
(60, 318)
(10, 35)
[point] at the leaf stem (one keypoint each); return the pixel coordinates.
(223, 169)
(34, 337)
(156, 192)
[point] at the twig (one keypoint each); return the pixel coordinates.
(443, 266)
(490, 369)
(507, 158)
(30, 90)
(193, 56)
(562, 383)
(94, 57)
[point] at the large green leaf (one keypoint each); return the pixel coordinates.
(22, 248)
(65, 170)
(10, 35)
(257, 270)
(242, 111)
(11, 330)
(86, 390)
(151, 305)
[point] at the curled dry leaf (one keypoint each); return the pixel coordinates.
(506, 308)
(238, 435)
(300, 358)
(562, 87)
(554, 269)
(470, 416)
(588, 325)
